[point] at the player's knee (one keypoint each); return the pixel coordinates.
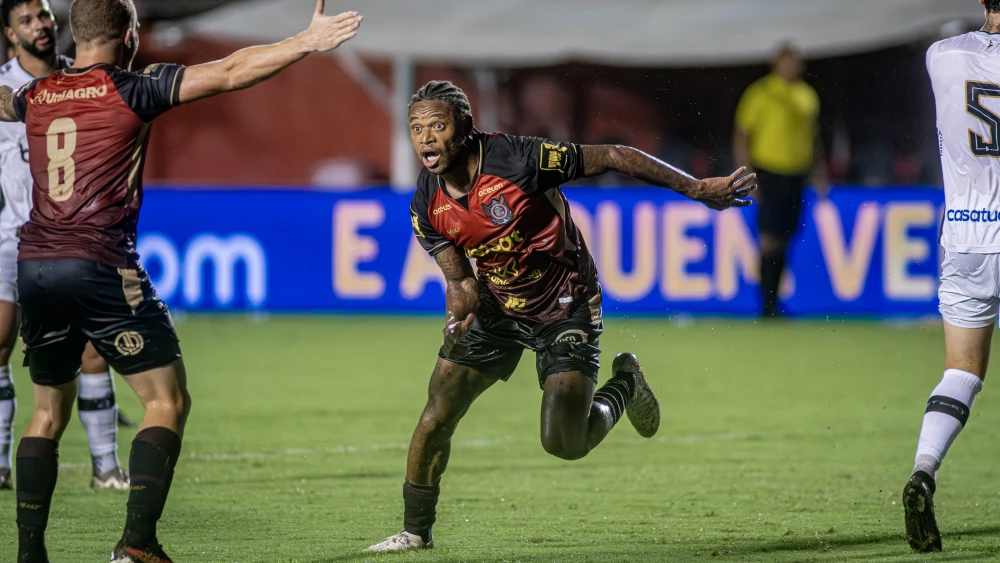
(92, 362)
(569, 450)
(772, 244)
(442, 414)
(175, 405)
(439, 421)
(49, 422)
(5, 353)
(180, 403)
(185, 407)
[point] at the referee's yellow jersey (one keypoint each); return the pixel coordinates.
(780, 118)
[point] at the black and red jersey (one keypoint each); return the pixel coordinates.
(88, 130)
(515, 223)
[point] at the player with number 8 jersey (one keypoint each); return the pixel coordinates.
(88, 129)
(79, 278)
(88, 189)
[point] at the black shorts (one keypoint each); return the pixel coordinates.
(66, 303)
(780, 203)
(497, 342)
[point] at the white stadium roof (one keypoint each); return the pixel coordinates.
(621, 32)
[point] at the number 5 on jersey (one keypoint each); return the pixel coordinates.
(973, 92)
(62, 167)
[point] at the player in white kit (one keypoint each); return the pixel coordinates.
(965, 74)
(30, 28)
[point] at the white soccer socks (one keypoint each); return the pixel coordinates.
(99, 415)
(947, 412)
(8, 406)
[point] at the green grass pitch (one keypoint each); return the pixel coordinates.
(779, 442)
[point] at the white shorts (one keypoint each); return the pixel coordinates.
(970, 289)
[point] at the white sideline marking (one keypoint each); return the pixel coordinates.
(400, 446)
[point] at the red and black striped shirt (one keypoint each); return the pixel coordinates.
(88, 130)
(515, 222)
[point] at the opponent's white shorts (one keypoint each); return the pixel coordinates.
(970, 289)
(8, 269)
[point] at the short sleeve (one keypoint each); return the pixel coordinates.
(432, 241)
(748, 109)
(547, 164)
(929, 58)
(21, 99)
(153, 91)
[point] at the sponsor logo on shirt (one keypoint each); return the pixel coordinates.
(972, 216)
(416, 224)
(515, 303)
(442, 209)
(505, 244)
(489, 190)
(554, 157)
(503, 275)
(46, 97)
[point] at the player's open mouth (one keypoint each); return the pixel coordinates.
(430, 159)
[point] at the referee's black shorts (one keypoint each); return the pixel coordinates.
(779, 203)
(66, 303)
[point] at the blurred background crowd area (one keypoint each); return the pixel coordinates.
(667, 79)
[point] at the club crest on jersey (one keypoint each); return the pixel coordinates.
(498, 211)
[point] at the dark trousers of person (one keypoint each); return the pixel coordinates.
(780, 214)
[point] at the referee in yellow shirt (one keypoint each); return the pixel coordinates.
(776, 135)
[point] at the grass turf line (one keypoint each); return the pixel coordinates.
(779, 442)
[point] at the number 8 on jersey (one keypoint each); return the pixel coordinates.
(62, 168)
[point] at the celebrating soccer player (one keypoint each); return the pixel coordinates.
(79, 279)
(497, 198)
(31, 29)
(964, 72)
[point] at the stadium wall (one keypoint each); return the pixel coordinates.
(865, 252)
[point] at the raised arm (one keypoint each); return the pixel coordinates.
(462, 299)
(253, 65)
(7, 112)
(717, 193)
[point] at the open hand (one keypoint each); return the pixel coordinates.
(454, 332)
(326, 33)
(723, 193)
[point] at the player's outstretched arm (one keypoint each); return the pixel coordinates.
(462, 299)
(7, 112)
(717, 193)
(253, 65)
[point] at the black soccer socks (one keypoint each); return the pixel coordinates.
(616, 394)
(154, 454)
(37, 470)
(420, 509)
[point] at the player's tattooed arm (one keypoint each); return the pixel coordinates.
(253, 65)
(461, 297)
(717, 193)
(7, 112)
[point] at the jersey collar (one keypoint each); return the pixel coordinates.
(78, 71)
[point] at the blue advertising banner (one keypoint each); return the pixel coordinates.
(870, 252)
